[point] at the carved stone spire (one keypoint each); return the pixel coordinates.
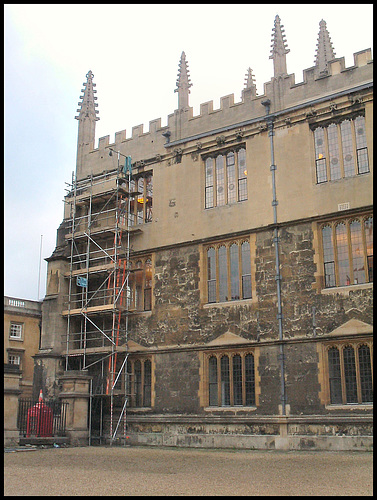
(325, 50)
(87, 104)
(249, 79)
(183, 83)
(250, 87)
(279, 48)
(87, 119)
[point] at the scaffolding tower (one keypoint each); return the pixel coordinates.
(97, 308)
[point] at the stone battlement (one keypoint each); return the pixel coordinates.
(282, 91)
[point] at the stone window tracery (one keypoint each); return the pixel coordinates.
(349, 372)
(225, 178)
(140, 382)
(341, 149)
(228, 271)
(140, 283)
(231, 379)
(142, 204)
(347, 251)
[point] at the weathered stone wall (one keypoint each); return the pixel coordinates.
(164, 431)
(178, 319)
(302, 385)
(177, 382)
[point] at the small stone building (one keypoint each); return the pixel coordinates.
(214, 276)
(22, 331)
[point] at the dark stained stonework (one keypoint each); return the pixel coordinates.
(281, 202)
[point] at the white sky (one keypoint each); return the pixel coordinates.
(133, 51)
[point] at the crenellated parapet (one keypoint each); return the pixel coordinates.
(328, 77)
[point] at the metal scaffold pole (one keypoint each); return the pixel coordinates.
(120, 289)
(96, 312)
(73, 215)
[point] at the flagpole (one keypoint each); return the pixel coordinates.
(39, 272)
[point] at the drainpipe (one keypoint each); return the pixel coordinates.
(270, 124)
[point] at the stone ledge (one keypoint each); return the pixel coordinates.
(254, 442)
(345, 290)
(249, 419)
(12, 391)
(43, 440)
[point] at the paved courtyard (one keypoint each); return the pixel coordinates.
(185, 472)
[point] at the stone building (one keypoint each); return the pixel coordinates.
(214, 276)
(22, 327)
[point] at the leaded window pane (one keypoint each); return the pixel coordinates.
(137, 382)
(320, 154)
(347, 148)
(242, 175)
(149, 201)
(147, 382)
(249, 380)
(231, 175)
(223, 274)
(350, 374)
(332, 137)
(209, 197)
(234, 273)
(343, 258)
(140, 201)
(138, 275)
(211, 268)
(361, 145)
(362, 160)
(148, 273)
(328, 256)
(237, 380)
(366, 382)
(148, 286)
(220, 180)
(209, 183)
(212, 375)
(357, 252)
(370, 268)
(368, 228)
(335, 376)
(321, 171)
(242, 189)
(225, 383)
(246, 270)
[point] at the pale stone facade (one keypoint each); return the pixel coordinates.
(251, 320)
(22, 326)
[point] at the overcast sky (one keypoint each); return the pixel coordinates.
(133, 51)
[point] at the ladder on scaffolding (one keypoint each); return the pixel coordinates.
(120, 291)
(120, 295)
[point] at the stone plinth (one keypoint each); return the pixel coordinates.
(12, 377)
(75, 391)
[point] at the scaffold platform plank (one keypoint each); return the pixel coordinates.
(103, 231)
(93, 269)
(93, 309)
(97, 350)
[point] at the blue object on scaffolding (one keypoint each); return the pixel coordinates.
(127, 166)
(81, 281)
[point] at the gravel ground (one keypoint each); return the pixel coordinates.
(153, 471)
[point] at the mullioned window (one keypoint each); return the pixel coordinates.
(341, 149)
(228, 271)
(347, 247)
(225, 178)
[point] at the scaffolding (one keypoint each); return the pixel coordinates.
(97, 305)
